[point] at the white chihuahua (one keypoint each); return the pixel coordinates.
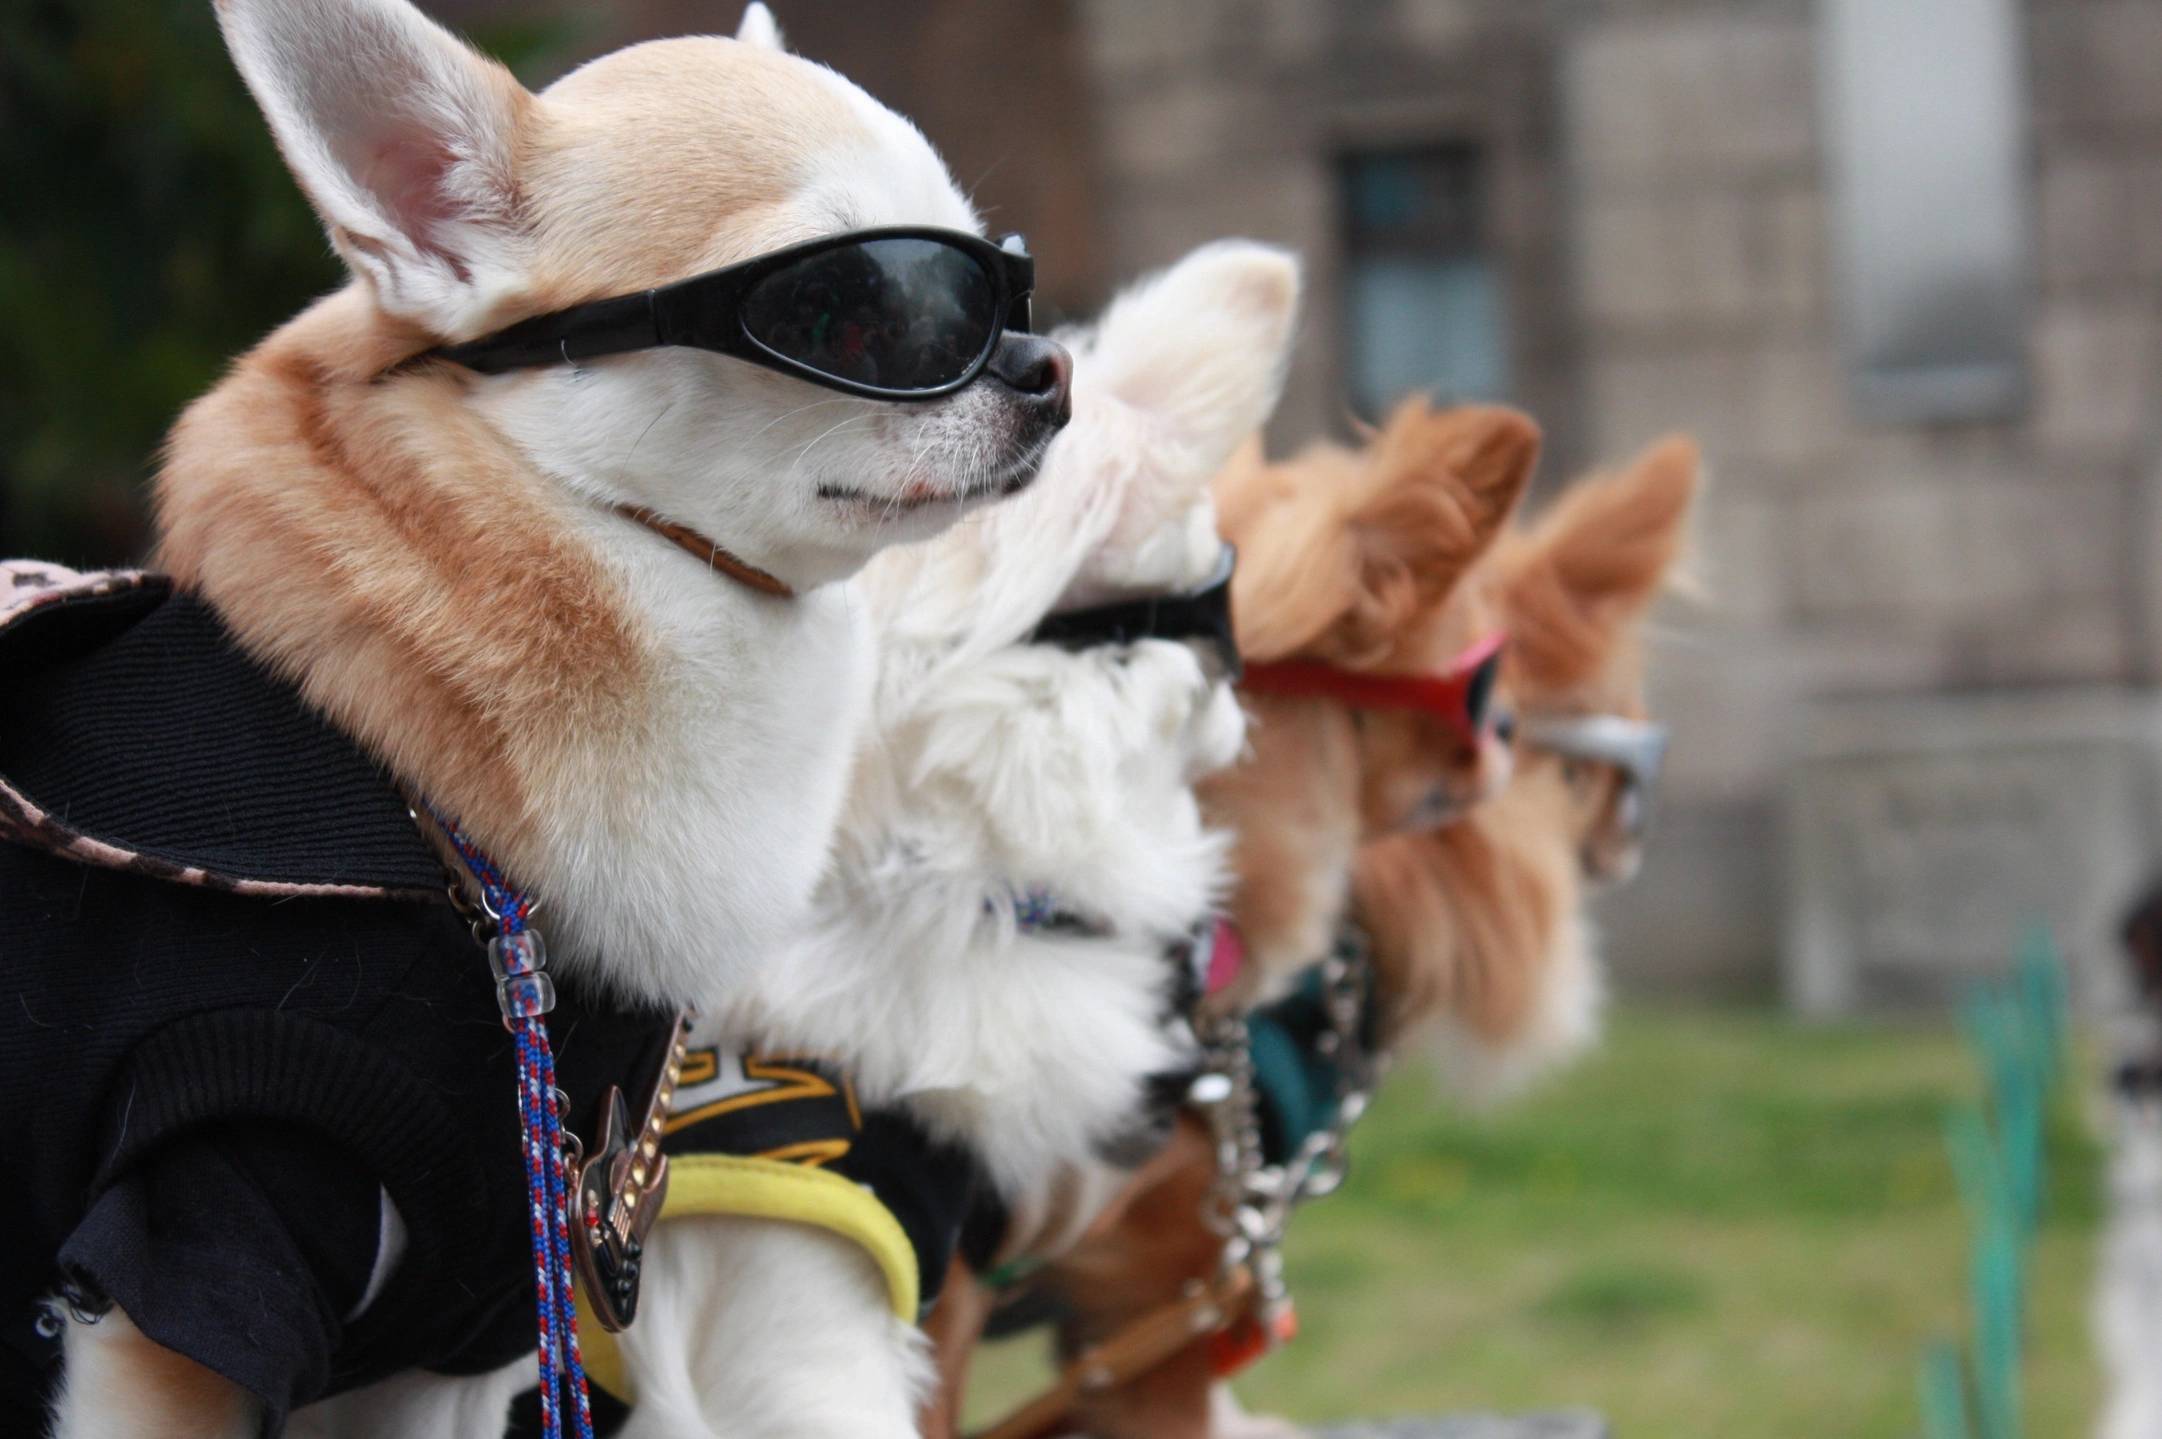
(1003, 777)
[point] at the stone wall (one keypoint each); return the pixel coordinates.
(1927, 836)
(1847, 560)
(1659, 201)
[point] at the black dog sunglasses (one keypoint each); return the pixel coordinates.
(890, 314)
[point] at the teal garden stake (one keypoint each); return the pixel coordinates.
(1944, 1394)
(2017, 1028)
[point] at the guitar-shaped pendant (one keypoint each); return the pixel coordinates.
(619, 1186)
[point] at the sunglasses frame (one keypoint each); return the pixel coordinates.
(670, 314)
(1202, 614)
(1637, 748)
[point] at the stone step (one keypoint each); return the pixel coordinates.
(1575, 1424)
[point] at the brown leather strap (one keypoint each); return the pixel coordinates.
(706, 552)
(1135, 1350)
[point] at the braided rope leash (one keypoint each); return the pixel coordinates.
(526, 994)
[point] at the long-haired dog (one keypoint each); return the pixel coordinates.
(1352, 565)
(584, 605)
(1474, 925)
(1352, 577)
(1021, 858)
(1478, 929)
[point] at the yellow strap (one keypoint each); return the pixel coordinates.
(749, 1188)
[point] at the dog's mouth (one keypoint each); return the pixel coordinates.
(921, 495)
(918, 496)
(1435, 810)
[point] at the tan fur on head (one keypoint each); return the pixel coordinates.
(465, 202)
(1478, 926)
(639, 132)
(1344, 556)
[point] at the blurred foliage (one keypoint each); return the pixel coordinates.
(148, 233)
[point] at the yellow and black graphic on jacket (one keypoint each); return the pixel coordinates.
(780, 1107)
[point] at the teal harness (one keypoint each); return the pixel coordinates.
(1311, 1048)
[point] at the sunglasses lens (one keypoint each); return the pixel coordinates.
(1479, 692)
(894, 314)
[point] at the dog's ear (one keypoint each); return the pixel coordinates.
(405, 141)
(760, 28)
(1183, 368)
(1437, 491)
(1341, 552)
(1593, 564)
(1200, 349)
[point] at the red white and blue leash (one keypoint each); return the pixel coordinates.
(525, 994)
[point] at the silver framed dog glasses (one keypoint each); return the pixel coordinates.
(889, 314)
(1636, 748)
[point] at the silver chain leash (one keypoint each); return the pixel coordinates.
(1250, 1203)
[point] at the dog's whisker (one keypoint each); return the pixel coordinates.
(803, 453)
(627, 454)
(803, 410)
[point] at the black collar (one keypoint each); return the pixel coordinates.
(1199, 614)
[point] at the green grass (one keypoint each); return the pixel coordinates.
(1723, 1224)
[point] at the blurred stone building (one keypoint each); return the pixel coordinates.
(1908, 713)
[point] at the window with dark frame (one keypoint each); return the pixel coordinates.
(1423, 304)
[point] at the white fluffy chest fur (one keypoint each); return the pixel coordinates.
(1035, 772)
(685, 854)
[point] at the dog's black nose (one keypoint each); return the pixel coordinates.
(1038, 370)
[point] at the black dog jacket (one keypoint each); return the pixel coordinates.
(244, 1036)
